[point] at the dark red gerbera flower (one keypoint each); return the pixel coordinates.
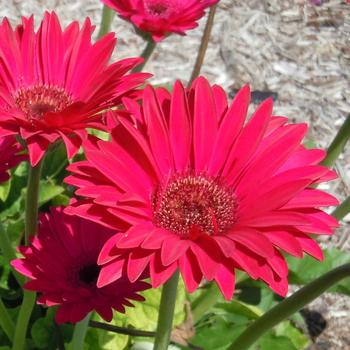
(10, 156)
(61, 263)
(197, 187)
(54, 82)
(161, 17)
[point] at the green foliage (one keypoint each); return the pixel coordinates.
(46, 333)
(307, 269)
(100, 339)
(218, 329)
(145, 315)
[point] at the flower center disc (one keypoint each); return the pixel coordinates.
(159, 8)
(191, 203)
(37, 100)
(88, 274)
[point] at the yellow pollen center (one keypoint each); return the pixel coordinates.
(194, 203)
(37, 100)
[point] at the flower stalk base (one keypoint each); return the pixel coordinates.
(166, 313)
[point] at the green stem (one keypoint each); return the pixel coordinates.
(79, 334)
(289, 306)
(9, 253)
(106, 22)
(32, 201)
(31, 222)
(121, 330)
(342, 210)
(166, 313)
(204, 45)
(338, 144)
(6, 322)
(146, 54)
(23, 320)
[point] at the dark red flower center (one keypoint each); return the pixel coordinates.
(159, 8)
(37, 100)
(88, 274)
(194, 203)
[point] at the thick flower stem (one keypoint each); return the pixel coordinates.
(342, 210)
(166, 313)
(31, 222)
(106, 21)
(32, 201)
(6, 322)
(9, 253)
(146, 54)
(338, 144)
(289, 306)
(204, 45)
(79, 334)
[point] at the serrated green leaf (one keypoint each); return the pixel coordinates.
(104, 340)
(145, 314)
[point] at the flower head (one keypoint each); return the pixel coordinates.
(196, 186)
(10, 156)
(61, 263)
(55, 82)
(161, 17)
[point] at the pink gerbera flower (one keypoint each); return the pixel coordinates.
(54, 82)
(61, 263)
(10, 156)
(203, 190)
(161, 17)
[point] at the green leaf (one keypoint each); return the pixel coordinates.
(48, 191)
(145, 314)
(217, 334)
(307, 269)
(42, 332)
(5, 188)
(237, 307)
(271, 341)
(55, 162)
(299, 339)
(104, 340)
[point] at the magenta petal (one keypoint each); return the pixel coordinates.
(137, 263)
(134, 236)
(286, 241)
(190, 271)
(173, 248)
(159, 273)
(253, 240)
(225, 279)
(110, 273)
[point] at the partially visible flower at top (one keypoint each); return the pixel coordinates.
(10, 156)
(316, 2)
(54, 82)
(198, 187)
(61, 263)
(161, 17)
